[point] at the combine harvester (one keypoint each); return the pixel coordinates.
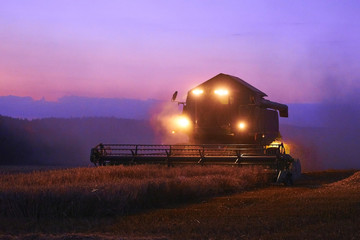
(228, 122)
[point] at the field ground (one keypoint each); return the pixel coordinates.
(322, 205)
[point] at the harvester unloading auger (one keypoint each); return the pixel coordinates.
(228, 122)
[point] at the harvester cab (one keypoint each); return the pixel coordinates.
(228, 122)
(226, 109)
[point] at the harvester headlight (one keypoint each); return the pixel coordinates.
(183, 122)
(221, 92)
(241, 126)
(198, 92)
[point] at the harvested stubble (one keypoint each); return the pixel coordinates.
(117, 190)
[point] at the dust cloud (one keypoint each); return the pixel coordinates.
(163, 121)
(334, 144)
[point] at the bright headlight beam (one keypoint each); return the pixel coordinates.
(221, 92)
(183, 122)
(198, 91)
(241, 125)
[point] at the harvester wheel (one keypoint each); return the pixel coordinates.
(285, 177)
(295, 169)
(288, 179)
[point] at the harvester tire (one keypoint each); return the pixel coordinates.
(295, 169)
(289, 179)
(285, 177)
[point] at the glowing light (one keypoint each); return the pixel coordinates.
(275, 143)
(173, 132)
(198, 91)
(183, 122)
(221, 92)
(241, 125)
(278, 143)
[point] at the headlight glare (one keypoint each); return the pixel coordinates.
(221, 92)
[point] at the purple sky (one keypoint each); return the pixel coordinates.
(295, 51)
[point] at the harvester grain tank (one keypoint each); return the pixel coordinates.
(228, 121)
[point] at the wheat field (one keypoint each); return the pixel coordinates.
(117, 190)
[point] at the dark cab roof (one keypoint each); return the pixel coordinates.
(226, 77)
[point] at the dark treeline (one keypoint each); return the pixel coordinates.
(67, 142)
(73, 106)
